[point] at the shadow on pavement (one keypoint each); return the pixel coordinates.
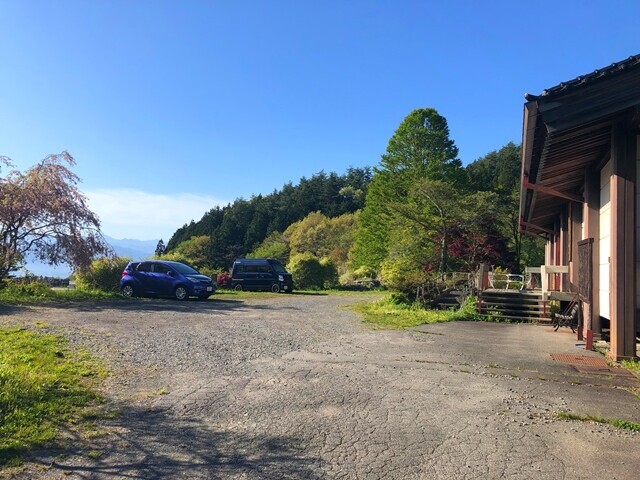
(134, 305)
(152, 445)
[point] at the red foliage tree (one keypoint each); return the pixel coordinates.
(43, 213)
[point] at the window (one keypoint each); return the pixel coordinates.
(161, 268)
(144, 267)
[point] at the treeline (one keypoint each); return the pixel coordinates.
(237, 229)
(418, 213)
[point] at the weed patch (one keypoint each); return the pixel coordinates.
(43, 386)
(622, 424)
(394, 311)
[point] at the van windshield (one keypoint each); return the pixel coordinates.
(277, 266)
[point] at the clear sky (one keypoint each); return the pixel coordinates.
(171, 107)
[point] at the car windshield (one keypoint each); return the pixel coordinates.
(277, 266)
(184, 269)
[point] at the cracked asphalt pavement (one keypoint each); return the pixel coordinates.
(296, 386)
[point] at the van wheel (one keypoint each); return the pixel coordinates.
(181, 293)
(275, 288)
(238, 288)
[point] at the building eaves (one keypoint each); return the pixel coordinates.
(612, 70)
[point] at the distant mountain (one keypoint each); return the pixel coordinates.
(131, 248)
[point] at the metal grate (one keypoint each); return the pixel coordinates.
(579, 359)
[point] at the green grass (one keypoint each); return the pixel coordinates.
(19, 293)
(622, 424)
(632, 365)
(390, 312)
(44, 385)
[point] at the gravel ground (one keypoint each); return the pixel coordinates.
(295, 386)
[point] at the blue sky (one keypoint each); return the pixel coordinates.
(172, 107)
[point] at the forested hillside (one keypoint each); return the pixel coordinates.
(419, 212)
(238, 228)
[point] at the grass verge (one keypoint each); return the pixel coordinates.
(632, 365)
(44, 386)
(622, 424)
(393, 312)
(35, 292)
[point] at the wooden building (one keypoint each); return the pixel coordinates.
(580, 168)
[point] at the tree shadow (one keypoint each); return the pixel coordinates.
(134, 305)
(153, 445)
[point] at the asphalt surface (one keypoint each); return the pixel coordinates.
(296, 386)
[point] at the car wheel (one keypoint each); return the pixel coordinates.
(275, 288)
(181, 293)
(238, 288)
(128, 291)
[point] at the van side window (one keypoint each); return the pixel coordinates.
(264, 269)
(251, 268)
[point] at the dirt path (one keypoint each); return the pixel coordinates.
(294, 386)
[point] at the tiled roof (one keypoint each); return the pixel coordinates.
(606, 72)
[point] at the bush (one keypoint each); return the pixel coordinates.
(223, 280)
(103, 274)
(26, 288)
(402, 275)
(311, 272)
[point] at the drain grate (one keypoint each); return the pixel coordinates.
(579, 360)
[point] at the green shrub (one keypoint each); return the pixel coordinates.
(395, 298)
(20, 288)
(311, 272)
(104, 274)
(402, 274)
(329, 273)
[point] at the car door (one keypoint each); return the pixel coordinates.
(162, 280)
(265, 277)
(144, 278)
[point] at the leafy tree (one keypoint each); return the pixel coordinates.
(43, 213)
(275, 246)
(194, 252)
(419, 149)
(499, 172)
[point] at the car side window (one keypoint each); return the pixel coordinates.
(144, 267)
(160, 268)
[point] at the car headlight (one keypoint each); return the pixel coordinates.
(194, 280)
(281, 278)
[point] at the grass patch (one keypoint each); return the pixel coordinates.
(18, 293)
(393, 312)
(614, 422)
(44, 385)
(632, 365)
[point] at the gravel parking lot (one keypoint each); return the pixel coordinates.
(296, 386)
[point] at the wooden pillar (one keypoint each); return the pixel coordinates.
(592, 230)
(623, 261)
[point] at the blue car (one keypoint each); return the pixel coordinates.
(165, 279)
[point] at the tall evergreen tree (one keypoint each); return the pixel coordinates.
(419, 149)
